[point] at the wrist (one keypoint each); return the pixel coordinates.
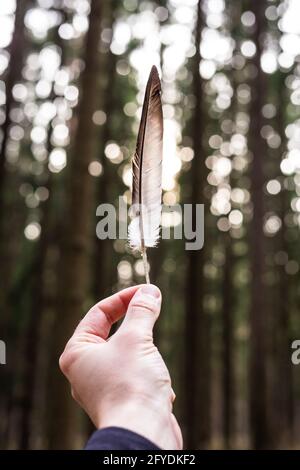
(148, 419)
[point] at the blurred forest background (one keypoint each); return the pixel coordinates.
(73, 74)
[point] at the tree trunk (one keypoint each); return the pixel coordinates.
(16, 51)
(14, 74)
(74, 270)
(228, 338)
(258, 334)
(283, 367)
(106, 192)
(197, 354)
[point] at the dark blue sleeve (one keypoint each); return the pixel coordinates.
(118, 439)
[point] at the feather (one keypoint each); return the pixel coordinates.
(144, 229)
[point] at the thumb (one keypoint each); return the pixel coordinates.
(143, 310)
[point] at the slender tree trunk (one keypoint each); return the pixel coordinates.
(32, 342)
(106, 191)
(14, 74)
(283, 366)
(74, 270)
(228, 338)
(258, 335)
(228, 310)
(16, 51)
(197, 354)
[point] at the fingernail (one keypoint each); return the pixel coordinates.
(152, 290)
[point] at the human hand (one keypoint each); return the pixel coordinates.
(122, 380)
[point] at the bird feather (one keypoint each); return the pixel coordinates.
(144, 229)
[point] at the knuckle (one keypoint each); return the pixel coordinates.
(66, 360)
(144, 306)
